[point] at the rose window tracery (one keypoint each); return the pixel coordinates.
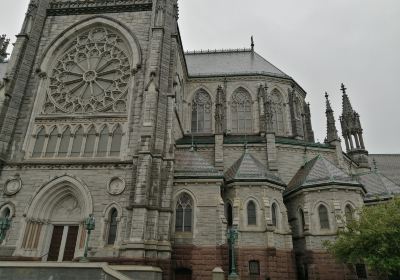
(91, 76)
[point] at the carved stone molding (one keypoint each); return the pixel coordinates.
(76, 7)
(116, 186)
(12, 186)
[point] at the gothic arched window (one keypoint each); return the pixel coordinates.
(103, 143)
(39, 144)
(277, 112)
(323, 217)
(229, 214)
(116, 142)
(52, 143)
(64, 143)
(302, 221)
(77, 144)
(201, 112)
(274, 211)
(251, 213)
(349, 213)
(241, 113)
(90, 141)
(298, 113)
(112, 227)
(184, 212)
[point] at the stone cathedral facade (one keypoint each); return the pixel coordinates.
(103, 113)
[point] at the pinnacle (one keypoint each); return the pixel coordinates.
(347, 108)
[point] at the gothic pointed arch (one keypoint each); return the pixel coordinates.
(86, 78)
(201, 112)
(112, 216)
(241, 111)
(63, 197)
(278, 116)
(57, 46)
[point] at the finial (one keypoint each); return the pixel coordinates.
(252, 43)
(343, 89)
(326, 95)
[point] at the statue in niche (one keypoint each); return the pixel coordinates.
(220, 111)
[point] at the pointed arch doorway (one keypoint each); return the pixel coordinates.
(54, 227)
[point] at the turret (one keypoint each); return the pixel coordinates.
(352, 132)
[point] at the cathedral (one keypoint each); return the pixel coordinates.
(124, 157)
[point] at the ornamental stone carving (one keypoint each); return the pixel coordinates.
(91, 76)
(116, 186)
(12, 186)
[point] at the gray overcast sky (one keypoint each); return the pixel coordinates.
(319, 43)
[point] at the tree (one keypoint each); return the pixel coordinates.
(373, 239)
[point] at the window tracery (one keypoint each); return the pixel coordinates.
(201, 112)
(183, 213)
(241, 111)
(277, 113)
(91, 76)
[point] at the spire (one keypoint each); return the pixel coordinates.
(252, 43)
(332, 134)
(352, 132)
(347, 108)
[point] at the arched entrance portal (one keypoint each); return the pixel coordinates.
(54, 224)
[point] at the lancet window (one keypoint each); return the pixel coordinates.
(274, 213)
(349, 213)
(323, 217)
(78, 141)
(201, 112)
(241, 112)
(112, 227)
(277, 113)
(184, 213)
(251, 213)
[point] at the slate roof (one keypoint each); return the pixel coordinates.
(190, 164)
(250, 139)
(248, 169)
(388, 165)
(3, 68)
(230, 62)
(377, 185)
(317, 172)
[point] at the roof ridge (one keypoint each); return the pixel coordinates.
(212, 51)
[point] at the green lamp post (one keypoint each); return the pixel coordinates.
(90, 224)
(5, 224)
(232, 236)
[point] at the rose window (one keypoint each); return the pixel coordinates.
(91, 76)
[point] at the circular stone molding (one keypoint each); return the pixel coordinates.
(12, 186)
(116, 186)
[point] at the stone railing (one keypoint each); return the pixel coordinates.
(68, 7)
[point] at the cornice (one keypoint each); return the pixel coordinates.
(98, 7)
